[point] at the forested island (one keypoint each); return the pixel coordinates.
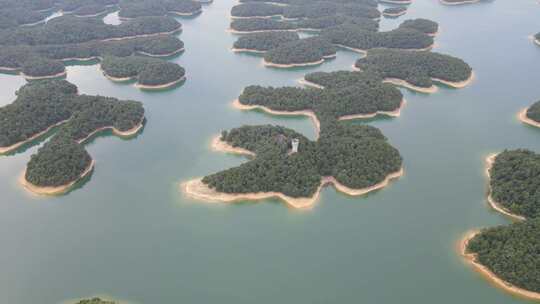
(37, 61)
(95, 300)
(301, 10)
(262, 42)
(417, 70)
(143, 8)
(254, 25)
(62, 161)
(458, 2)
(514, 182)
(303, 52)
(425, 26)
(531, 115)
(394, 11)
(355, 159)
(151, 73)
(508, 255)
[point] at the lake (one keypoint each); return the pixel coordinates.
(129, 232)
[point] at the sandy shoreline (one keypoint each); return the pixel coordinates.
(456, 84)
(396, 2)
(236, 103)
(4, 150)
(405, 84)
(186, 14)
(180, 50)
(61, 74)
(394, 14)
(247, 51)
(124, 134)
(522, 115)
(55, 190)
(309, 113)
(221, 146)
(305, 82)
(460, 2)
(143, 35)
(160, 86)
(233, 31)
(490, 160)
(198, 190)
(292, 65)
(471, 259)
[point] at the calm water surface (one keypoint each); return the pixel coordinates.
(130, 234)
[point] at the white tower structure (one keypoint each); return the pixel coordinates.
(295, 142)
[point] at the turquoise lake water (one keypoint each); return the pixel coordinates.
(130, 234)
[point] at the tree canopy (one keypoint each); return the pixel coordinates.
(357, 156)
(533, 112)
(43, 104)
(511, 252)
(265, 41)
(417, 68)
(148, 71)
(301, 51)
(515, 182)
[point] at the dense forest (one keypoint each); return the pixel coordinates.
(515, 182)
(394, 11)
(354, 36)
(40, 105)
(256, 10)
(265, 41)
(42, 67)
(416, 68)
(69, 29)
(533, 112)
(144, 8)
(345, 93)
(23, 55)
(307, 50)
(511, 252)
(357, 156)
(148, 71)
(313, 9)
(95, 301)
(422, 25)
(261, 24)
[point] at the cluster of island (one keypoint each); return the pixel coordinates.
(356, 159)
(41, 51)
(271, 29)
(508, 255)
(15, 13)
(62, 161)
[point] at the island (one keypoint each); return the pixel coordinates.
(256, 10)
(394, 12)
(360, 40)
(46, 60)
(303, 52)
(507, 256)
(61, 162)
(262, 42)
(458, 2)
(425, 26)
(145, 8)
(417, 71)
(346, 95)
(70, 29)
(257, 25)
(95, 300)
(288, 166)
(531, 115)
(513, 176)
(151, 73)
